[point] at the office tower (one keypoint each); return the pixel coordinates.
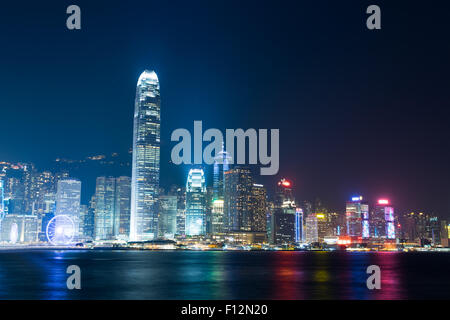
(444, 233)
(167, 216)
(283, 219)
(335, 223)
(382, 220)
(269, 221)
(122, 208)
(83, 215)
(181, 210)
(311, 229)
(258, 208)
(209, 209)
(146, 159)
(238, 188)
(221, 165)
(19, 228)
(357, 216)
(195, 203)
(16, 195)
(68, 196)
(2, 202)
(112, 208)
(39, 185)
(105, 191)
(299, 231)
(217, 219)
(89, 221)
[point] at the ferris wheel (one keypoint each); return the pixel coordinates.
(60, 230)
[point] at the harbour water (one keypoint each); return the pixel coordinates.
(115, 274)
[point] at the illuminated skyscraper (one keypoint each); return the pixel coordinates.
(299, 231)
(2, 202)
(167, 216)
(382, 220)
(122, 208)
(311, 229)
(238, 189)
(68, 201)
(258, 205)
(195, 203)
(284, 216)
(181, 210)
(104, 208)
(146, 159)
(357, 217)
(221, 165)
(217, 216)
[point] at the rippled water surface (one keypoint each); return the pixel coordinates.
(41, 274)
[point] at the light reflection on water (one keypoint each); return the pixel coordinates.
(221, 275)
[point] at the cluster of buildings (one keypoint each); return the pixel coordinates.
(234, 211)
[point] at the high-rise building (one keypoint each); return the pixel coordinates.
(146, 159)
(357, 217)
(168, 216)
(122, 208)
(382, 223)
(112, 208)
(19, 228)
(238, 193)
(312, 234)
(89, 221)
(2, 202)
(299, 229)
(258, 208)
(181, 210)
(284, 217)
(221, 165)
(105, 220)
(84, 210)
(445, 228)
(195, 203)
(68, 197)
(217, 216)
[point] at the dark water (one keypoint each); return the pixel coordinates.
(222, 275)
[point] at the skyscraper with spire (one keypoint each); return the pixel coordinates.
(146, 159)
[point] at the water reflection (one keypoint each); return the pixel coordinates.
(221, 275)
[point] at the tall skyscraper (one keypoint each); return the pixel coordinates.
(217, 219)
(312, 234)
(284, 218)
(221, 165)
(105, 191)
(168, 216)
(258, 206)
(382, 220)
(68, 197)
(2, 202)
(195, 203)
(112, 208)
(146, 159)
(238, 190)
(181, 210)
(122, 208)
(357, 217)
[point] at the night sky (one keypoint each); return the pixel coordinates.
(359, 111)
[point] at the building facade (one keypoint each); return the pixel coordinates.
(195, 221)
(68, 196)
(146, 159)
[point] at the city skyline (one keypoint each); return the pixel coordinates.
(353, 118)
